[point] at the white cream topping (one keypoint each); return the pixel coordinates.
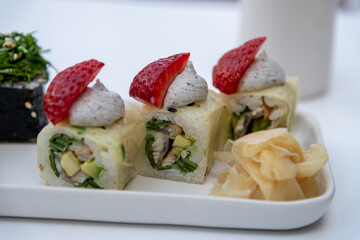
(262, 73)
(188, 87)
(96, 106)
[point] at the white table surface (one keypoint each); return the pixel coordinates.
(128, 35)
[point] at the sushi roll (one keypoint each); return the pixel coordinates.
(23, 72)
(96, 157)
(93, 137)
(256, 90)
(182, 120)
(264, 109)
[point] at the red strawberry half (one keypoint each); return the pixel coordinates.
(67, 86)
(231, 67)
(150, 85)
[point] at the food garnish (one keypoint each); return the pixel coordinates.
(20, 58)
(152, 82)
(187, 87)
(96, 107)
(67, 86)
(270, 165)
(232, 65)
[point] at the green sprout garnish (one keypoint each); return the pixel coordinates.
(20, 58)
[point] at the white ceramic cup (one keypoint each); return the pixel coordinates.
(299, 37)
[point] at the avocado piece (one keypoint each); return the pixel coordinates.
(181, 141)
(259, 124)
(91, 169)
(70, 163)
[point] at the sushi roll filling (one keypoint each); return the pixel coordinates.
(73, 160)
(167, 147)
(248, 121)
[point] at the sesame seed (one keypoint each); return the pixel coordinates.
(28, 105)
(9, 43)
(33, 114)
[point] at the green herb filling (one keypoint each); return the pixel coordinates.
(59, 143)
(182, 163)
(255, 124)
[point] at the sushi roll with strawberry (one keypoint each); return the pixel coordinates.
(258, 94)
(182, 120)
(93, 137)
(23, 72)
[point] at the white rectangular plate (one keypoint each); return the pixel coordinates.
(154, 201)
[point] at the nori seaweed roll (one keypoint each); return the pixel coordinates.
(23, 73)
